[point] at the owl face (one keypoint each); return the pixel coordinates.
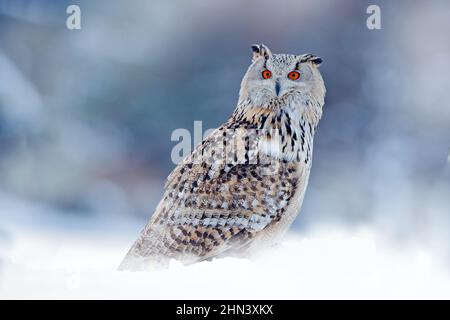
(273, 78)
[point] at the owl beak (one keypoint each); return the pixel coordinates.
(277, 87)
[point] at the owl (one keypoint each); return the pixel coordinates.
(242, 187)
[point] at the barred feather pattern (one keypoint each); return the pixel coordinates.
(230, 189)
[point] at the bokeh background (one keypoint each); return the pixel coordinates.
(86, 115)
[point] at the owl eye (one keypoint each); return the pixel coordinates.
(266, 74)
(294, 75)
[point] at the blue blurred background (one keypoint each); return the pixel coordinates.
(86, 115)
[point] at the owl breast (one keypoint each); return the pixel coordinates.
(275, 231)
(288, 139)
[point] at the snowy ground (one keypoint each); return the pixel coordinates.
(47, 262)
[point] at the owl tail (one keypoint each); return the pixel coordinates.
(136, 261)
(139, 263)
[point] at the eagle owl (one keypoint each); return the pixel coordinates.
(243, 186)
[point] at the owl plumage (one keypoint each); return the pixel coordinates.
(243, 186)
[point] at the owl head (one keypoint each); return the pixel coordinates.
(275, 78)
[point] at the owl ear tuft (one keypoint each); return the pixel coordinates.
(311, 58)
(260, 50)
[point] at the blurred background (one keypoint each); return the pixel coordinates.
(86, 115)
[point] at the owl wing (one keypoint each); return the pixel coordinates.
(218, 199)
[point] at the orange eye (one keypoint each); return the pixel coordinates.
(294, 75)
(266, 74)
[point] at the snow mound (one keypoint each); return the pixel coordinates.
(325, 266)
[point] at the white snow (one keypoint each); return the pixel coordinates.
(326, 264)
(45, 254)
